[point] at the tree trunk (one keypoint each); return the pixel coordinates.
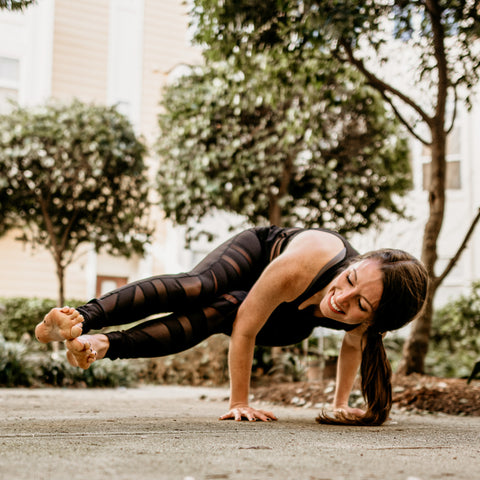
(416, 347)
(61, 283)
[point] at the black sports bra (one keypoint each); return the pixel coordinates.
(322, 279)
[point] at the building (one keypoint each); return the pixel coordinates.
(121, 51)
(108, 52)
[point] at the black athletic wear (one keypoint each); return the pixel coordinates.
(204, 301)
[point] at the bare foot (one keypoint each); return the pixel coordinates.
(59, 324)
(84, 350)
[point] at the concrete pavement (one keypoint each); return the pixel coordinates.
(172, 433)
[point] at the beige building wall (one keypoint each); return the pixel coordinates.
(166, 45)
(31, 272)
(88, 59)
(80, 50)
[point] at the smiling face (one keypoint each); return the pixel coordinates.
(354, 295)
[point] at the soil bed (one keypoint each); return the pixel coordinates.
(411, 393)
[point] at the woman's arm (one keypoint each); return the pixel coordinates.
(240, 357)
(282, 281)
(278, 283)
(348, 362)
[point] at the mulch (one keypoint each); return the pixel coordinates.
(417, 393)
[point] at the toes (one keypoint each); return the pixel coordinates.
(71, 359)
(76, 330)
(91, 357)
(80, 353)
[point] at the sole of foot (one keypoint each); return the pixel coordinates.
(59, 324)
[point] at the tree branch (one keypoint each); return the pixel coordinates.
(438, 280)
(435, 13)
(403, 120)
(380, 85)
(56, 250)
(454, 114)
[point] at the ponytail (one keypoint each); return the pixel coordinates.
(376, 386)
(405, 285)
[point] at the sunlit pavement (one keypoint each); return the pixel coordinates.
(173, 433)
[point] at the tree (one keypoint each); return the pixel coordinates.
(71, 174)
(280, 138)
(441, 38)
(15, 4)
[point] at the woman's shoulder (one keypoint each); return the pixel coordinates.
(311, 250)
(316, 242)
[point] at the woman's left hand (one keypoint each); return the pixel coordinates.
(251, 414)
(349, 411)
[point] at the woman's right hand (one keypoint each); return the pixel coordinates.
(251, 414)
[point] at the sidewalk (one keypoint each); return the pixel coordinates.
(172, 433)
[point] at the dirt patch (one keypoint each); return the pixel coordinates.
(412, 393)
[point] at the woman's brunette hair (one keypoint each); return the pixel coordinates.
(405, 283)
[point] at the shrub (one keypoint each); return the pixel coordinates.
(204, 364)
(15, 368)
(23, 365)
(455, 342)
(19, 315)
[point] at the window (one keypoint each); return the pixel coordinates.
(9, 81)
(107, 284)
(453, 181)
(453, 157)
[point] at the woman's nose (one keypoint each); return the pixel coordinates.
(345, 295)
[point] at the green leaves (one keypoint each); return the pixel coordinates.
(278, 137)
(15, 4)
(455, 343)
(73, 173)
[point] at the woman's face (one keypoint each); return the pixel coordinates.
(354, 295)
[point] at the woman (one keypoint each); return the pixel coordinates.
(265, 286)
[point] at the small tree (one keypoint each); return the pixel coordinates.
(71, 174)
(281, 139)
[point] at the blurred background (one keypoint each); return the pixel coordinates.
(173, 90)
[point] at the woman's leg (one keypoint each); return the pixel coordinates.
(234, 265)
(158, 337)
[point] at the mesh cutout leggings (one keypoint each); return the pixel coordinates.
(203, 301)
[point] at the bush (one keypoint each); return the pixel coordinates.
(205, 364)
(23, 365)
(15, 368)
(18, 315)
(455, 340)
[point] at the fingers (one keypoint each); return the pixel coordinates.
(346, 411)
(251, 414)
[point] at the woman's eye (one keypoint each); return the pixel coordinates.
(361, 306)
(348, 280)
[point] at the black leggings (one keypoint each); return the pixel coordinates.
(204, 302)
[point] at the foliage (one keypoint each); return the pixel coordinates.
(204, 364)
(19, 316)
(15, 369)
(23, 365)
(70, 174)
(345, 28)
(455, 343)
(15, 4)
(278, 136)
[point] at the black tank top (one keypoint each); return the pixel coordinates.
(276, 240)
